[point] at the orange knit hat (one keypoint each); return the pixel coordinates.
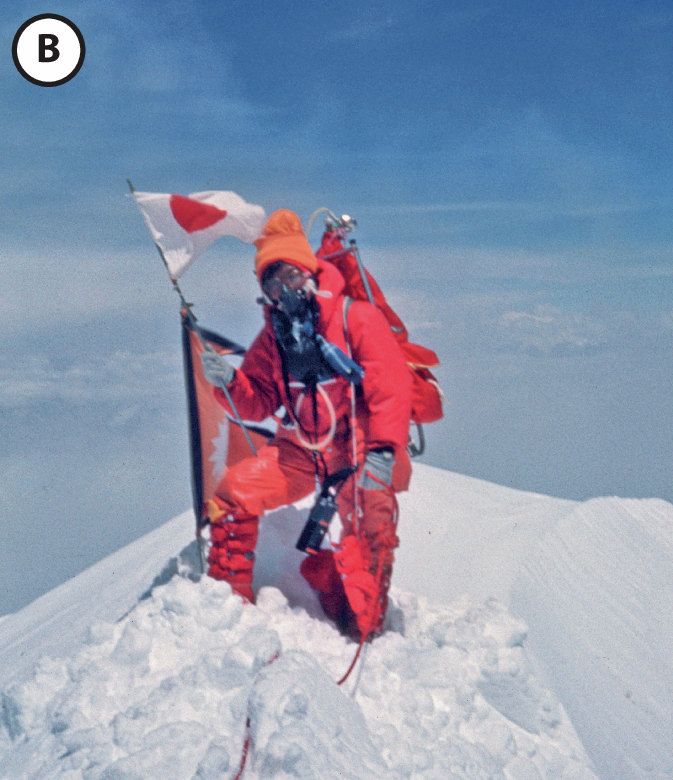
(283, 239)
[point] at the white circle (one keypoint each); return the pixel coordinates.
(48, 50)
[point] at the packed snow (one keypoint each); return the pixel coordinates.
(528, 639)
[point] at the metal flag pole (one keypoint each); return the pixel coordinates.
(187, 308)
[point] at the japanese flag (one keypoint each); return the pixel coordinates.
(184, 227)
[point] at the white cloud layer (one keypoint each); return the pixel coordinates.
(551, 331)
(118, 377)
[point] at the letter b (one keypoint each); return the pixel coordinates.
(48, 44)
(48, 50)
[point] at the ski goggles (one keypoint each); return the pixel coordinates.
(286, 276)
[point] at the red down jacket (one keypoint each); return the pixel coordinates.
(383, 400)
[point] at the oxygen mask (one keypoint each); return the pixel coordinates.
(288, 289)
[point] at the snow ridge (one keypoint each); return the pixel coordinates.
(446, 692)
(607, 568)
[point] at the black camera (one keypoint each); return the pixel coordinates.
(322, 512)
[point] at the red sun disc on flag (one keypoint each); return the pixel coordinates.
(192, 215)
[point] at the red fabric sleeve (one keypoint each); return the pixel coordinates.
(387, 381)
(254, 389)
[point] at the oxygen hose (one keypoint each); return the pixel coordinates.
(326, 441)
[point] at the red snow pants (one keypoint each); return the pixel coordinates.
(352, 581)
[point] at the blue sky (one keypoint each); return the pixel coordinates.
(509, 165)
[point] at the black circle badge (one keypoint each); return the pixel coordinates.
(48, 50)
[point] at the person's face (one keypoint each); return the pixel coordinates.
(289, 276)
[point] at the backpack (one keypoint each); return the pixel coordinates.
(426, 406)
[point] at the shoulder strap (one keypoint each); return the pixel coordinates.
(353, 421)
(347, 304)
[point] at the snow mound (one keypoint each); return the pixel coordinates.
(446, 693)
(56, 623)
(441, 692)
